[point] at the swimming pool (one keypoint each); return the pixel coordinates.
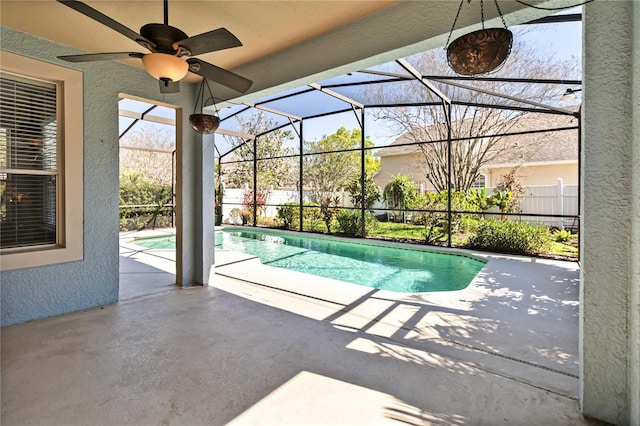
(405, 270)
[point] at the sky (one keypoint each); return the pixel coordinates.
(557, 41)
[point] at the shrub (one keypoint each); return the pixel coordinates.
(289, 214)
(510, 237)
(350, 223)
(142, 203)
(312, 216)
(329, 210)
(268, 221)
(562, 236)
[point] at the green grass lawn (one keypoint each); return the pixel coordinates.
(399, 230)
(560, 249)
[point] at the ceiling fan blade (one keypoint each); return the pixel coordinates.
(89, 57)
(219, 75)
(209, 42)
(109, 22)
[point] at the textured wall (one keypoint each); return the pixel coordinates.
(634, 296)
(50, 290)
(610, 210)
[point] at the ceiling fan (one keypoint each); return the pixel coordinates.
(167, 45)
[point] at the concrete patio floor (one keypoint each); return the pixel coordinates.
(265, 346)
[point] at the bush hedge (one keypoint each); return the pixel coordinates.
(350, 223)
(506, 236)
(146, 202)
(289, 214)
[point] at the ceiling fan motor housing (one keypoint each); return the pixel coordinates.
(164, 36)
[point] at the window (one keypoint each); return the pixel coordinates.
(479, 183)
(40, 133)
(28, 161)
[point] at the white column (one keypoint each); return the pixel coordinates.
(195, 203)
(610, 251)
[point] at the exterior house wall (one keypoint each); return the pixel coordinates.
(28, 294)
(610, 249)
(538, 175)
(535, 175)
(406, 164)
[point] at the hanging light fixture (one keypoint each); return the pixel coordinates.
(165, 67)
(569, 94)
(481, 51)
(201, 122)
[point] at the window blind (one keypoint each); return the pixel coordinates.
(29, 176)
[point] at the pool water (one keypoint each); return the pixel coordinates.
(387, 268)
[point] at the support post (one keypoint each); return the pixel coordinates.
(610, 248)
(447, 110)
(255, 182)
(301, 177)
(362, 176)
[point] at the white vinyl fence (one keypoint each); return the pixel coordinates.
(557, 199)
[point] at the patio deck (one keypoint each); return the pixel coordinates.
(266, 346)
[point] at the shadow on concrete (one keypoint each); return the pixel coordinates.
(138, 278)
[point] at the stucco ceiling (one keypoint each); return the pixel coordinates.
(285, 43)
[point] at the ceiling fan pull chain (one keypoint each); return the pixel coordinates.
(482, 13)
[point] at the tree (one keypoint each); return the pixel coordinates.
(371, 195)
(400, 193)
(511, 183)
(274, 172)
(335, 162)
(478, 125)
(147, 149)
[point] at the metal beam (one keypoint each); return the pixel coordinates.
(233, 133)
(146, 117)
(336, 95)
(555, 19)
(273, 111)
(418, 76)
(395, 77)
(387, 74)
(504, 96)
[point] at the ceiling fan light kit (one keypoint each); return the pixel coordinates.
(168, 46)
(165, 67)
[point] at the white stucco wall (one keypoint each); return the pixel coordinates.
(609, 325)
(28, 294)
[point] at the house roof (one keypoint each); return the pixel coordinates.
(552, 146)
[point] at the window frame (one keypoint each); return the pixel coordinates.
(480, 176)
(69, 245)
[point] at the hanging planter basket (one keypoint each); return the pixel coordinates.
(480, 52)
(204, 123)
(200, 122)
